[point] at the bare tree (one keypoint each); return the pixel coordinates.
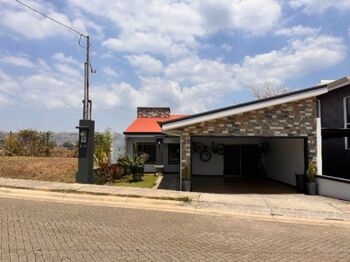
(267, 90)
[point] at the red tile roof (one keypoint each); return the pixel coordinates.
(149, 124)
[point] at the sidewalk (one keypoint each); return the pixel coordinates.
(278, 205)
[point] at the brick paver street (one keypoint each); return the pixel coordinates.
(48, 231)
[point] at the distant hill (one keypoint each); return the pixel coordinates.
(63, 137)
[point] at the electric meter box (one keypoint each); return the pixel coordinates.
(86, 151)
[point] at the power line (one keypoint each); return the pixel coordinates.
(52, 19)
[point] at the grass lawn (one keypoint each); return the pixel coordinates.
(148, 181)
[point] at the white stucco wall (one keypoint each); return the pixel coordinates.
(285, 157)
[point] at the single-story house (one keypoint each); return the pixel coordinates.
(273, 137)
(144, 135)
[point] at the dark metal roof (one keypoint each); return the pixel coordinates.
(245, 104)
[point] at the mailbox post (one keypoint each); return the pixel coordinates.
(86, 151)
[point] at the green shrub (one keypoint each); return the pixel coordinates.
(107, 173)
(311, 172)
(133, 164)
(102, 144)
(186, 174)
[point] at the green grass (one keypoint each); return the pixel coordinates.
(148, 181)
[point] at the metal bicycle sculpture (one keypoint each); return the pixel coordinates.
(205, 152)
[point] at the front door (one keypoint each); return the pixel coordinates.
(232, 160)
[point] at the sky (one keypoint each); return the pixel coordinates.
(190, 55)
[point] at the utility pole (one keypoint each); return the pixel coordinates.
(86, 125)
(86, 128)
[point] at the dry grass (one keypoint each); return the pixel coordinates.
(58, 169)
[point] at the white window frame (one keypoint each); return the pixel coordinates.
(346, 124)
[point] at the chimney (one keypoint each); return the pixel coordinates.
(153, 112)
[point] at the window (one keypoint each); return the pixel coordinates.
(347, 120)
(173, 153)
(149, 149)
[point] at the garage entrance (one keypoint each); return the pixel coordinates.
(247, 164)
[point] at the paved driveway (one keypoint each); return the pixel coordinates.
(45, 231)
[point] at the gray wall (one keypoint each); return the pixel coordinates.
(335, 158)
(336, 189)
(285, 157)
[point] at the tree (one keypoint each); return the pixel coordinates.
(29, 142)
(69, 145)
(103, 143)
(267, 90)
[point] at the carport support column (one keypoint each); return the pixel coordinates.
(185, 148)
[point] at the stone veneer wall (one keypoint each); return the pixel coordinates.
(290, 120)
(153, 112)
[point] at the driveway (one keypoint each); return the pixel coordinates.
(237, 185)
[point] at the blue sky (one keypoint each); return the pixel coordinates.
(191, 55)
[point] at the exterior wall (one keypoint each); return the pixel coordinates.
(335, 158)
(292, 119)
(153, 112)
(284, 159)
(215, 167)
(150, 167)
(333, 188)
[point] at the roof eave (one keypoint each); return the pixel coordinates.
(245, 107)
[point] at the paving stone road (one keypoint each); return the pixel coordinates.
(47, 231)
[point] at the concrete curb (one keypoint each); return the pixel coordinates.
(249, 205)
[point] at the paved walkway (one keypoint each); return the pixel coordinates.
(47, 231)
(285, 205)
(170, 182)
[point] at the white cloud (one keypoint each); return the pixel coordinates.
(18, 60)
(173, 28)
(28, 24)
(62, 58)
(109, 71)
(250, 16)
(298, 30)
(145, 63)
(297, 59)
(140, 42)
(319, 6)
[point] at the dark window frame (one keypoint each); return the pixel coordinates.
(347, 120)
(170, 158)
(151, 159)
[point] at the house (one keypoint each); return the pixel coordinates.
(144, 135)
(273, 137)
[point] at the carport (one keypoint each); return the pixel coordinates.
(238, 164)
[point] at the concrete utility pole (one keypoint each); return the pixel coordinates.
(86, 128)
(86, 125)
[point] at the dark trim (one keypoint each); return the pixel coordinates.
(306, 154)
(243, 104)
(143, 133)
(335, 132)
(336, 179)
(223, 136)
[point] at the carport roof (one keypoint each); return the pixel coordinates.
(254, 105)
